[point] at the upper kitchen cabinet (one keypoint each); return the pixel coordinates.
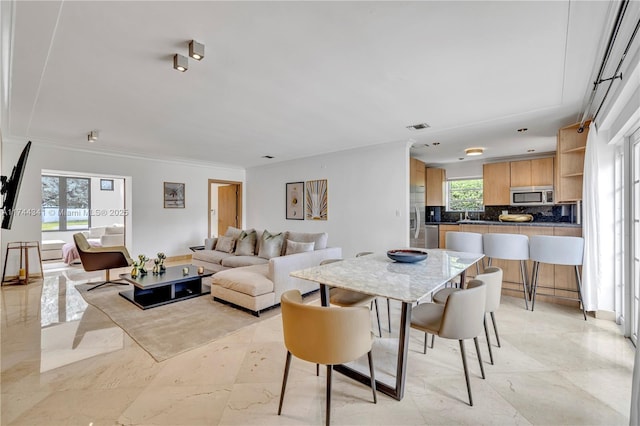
(496, 183)
(570, 163)
(435, 187)
(538, 172)
(416, 174)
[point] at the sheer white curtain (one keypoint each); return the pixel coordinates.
(590, 214)
(635, 390)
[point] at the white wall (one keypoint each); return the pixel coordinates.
(463, 169)
(368, 197)
(154, 228)
(111, 202)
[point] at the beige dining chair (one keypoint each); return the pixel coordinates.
(492, 277)
(325, 335)
(460, 318)
(349, 298)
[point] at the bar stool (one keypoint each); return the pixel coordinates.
(509, 247)
(556, 250)
(470, 242)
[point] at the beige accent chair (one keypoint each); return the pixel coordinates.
(325, 335)
(348, 298)
(460, 318)
(101, 258)
(492, 277)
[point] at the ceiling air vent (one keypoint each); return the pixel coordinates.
(420, 126)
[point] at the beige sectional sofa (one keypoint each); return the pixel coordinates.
(252, 267)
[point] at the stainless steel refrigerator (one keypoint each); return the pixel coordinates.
(421, 235)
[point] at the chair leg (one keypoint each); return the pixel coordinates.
(466, 371)
(475, 340)
(433, 340)
(373, 377)
(523, 271)
(495, 328)
(107, 281)
(486, 333)
(534, 283)
(579, 283)
(284, 380)
(329, 373)
(317, 369)
(426, 337)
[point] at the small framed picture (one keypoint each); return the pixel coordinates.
(295, 197)
(106, 184)
(173, 195)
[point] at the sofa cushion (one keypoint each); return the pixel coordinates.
(246, 243)
(114, 230)
(225, 244)
(271, 245)
(320, 238)
(294, 247)
(211, 256)
(234, 232)
(251, 280)
(239, 261)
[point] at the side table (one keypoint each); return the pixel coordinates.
(23, 248)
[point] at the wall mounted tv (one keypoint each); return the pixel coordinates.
(11, 188)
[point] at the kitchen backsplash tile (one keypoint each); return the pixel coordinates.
(539, 213)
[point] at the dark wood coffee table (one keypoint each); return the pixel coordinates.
(150, 291)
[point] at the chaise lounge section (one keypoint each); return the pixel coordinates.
(253, 270)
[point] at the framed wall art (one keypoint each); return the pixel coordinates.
(316, 200)
(294, 203)
(173, 195)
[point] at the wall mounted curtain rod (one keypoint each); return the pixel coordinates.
(603, 64)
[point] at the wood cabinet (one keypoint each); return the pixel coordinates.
(443, 229)
(435, 181)
(496, 183)
(416, 174)
(570, 163)
(536, 172)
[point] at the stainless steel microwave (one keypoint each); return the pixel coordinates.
(531, 196)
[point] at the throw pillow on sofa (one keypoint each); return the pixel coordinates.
(294, 247)
(246, 243)
(270, 245)
(225, 244)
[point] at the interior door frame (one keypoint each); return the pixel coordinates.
(238, 200)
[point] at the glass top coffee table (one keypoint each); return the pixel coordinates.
(174, 285)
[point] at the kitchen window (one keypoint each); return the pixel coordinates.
(464, 195)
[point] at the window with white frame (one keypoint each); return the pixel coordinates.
(465, 195)
(66, 202)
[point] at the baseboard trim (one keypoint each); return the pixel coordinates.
(606, 315)
(183, 257)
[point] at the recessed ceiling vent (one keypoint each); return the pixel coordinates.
(269, 157)
(420, 126)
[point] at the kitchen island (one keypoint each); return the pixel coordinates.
(554, 280)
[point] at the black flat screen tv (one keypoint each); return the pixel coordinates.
(11, 188)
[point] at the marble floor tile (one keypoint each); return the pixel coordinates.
(64, 362)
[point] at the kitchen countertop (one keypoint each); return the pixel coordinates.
(495, 222)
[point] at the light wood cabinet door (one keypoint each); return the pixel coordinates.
(520, 173)
(496, 184)
(542, 171)
(435, 180)
(416, 173)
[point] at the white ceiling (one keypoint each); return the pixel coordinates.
(295, 79)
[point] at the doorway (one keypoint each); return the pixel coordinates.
(225, 206)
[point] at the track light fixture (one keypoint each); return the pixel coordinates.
(92, 136)
(180, 63)
(196, 50)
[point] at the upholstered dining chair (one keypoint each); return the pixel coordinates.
(325, 335)
(348, 298)
(460, 318)
(492, 277)
(101, 258)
